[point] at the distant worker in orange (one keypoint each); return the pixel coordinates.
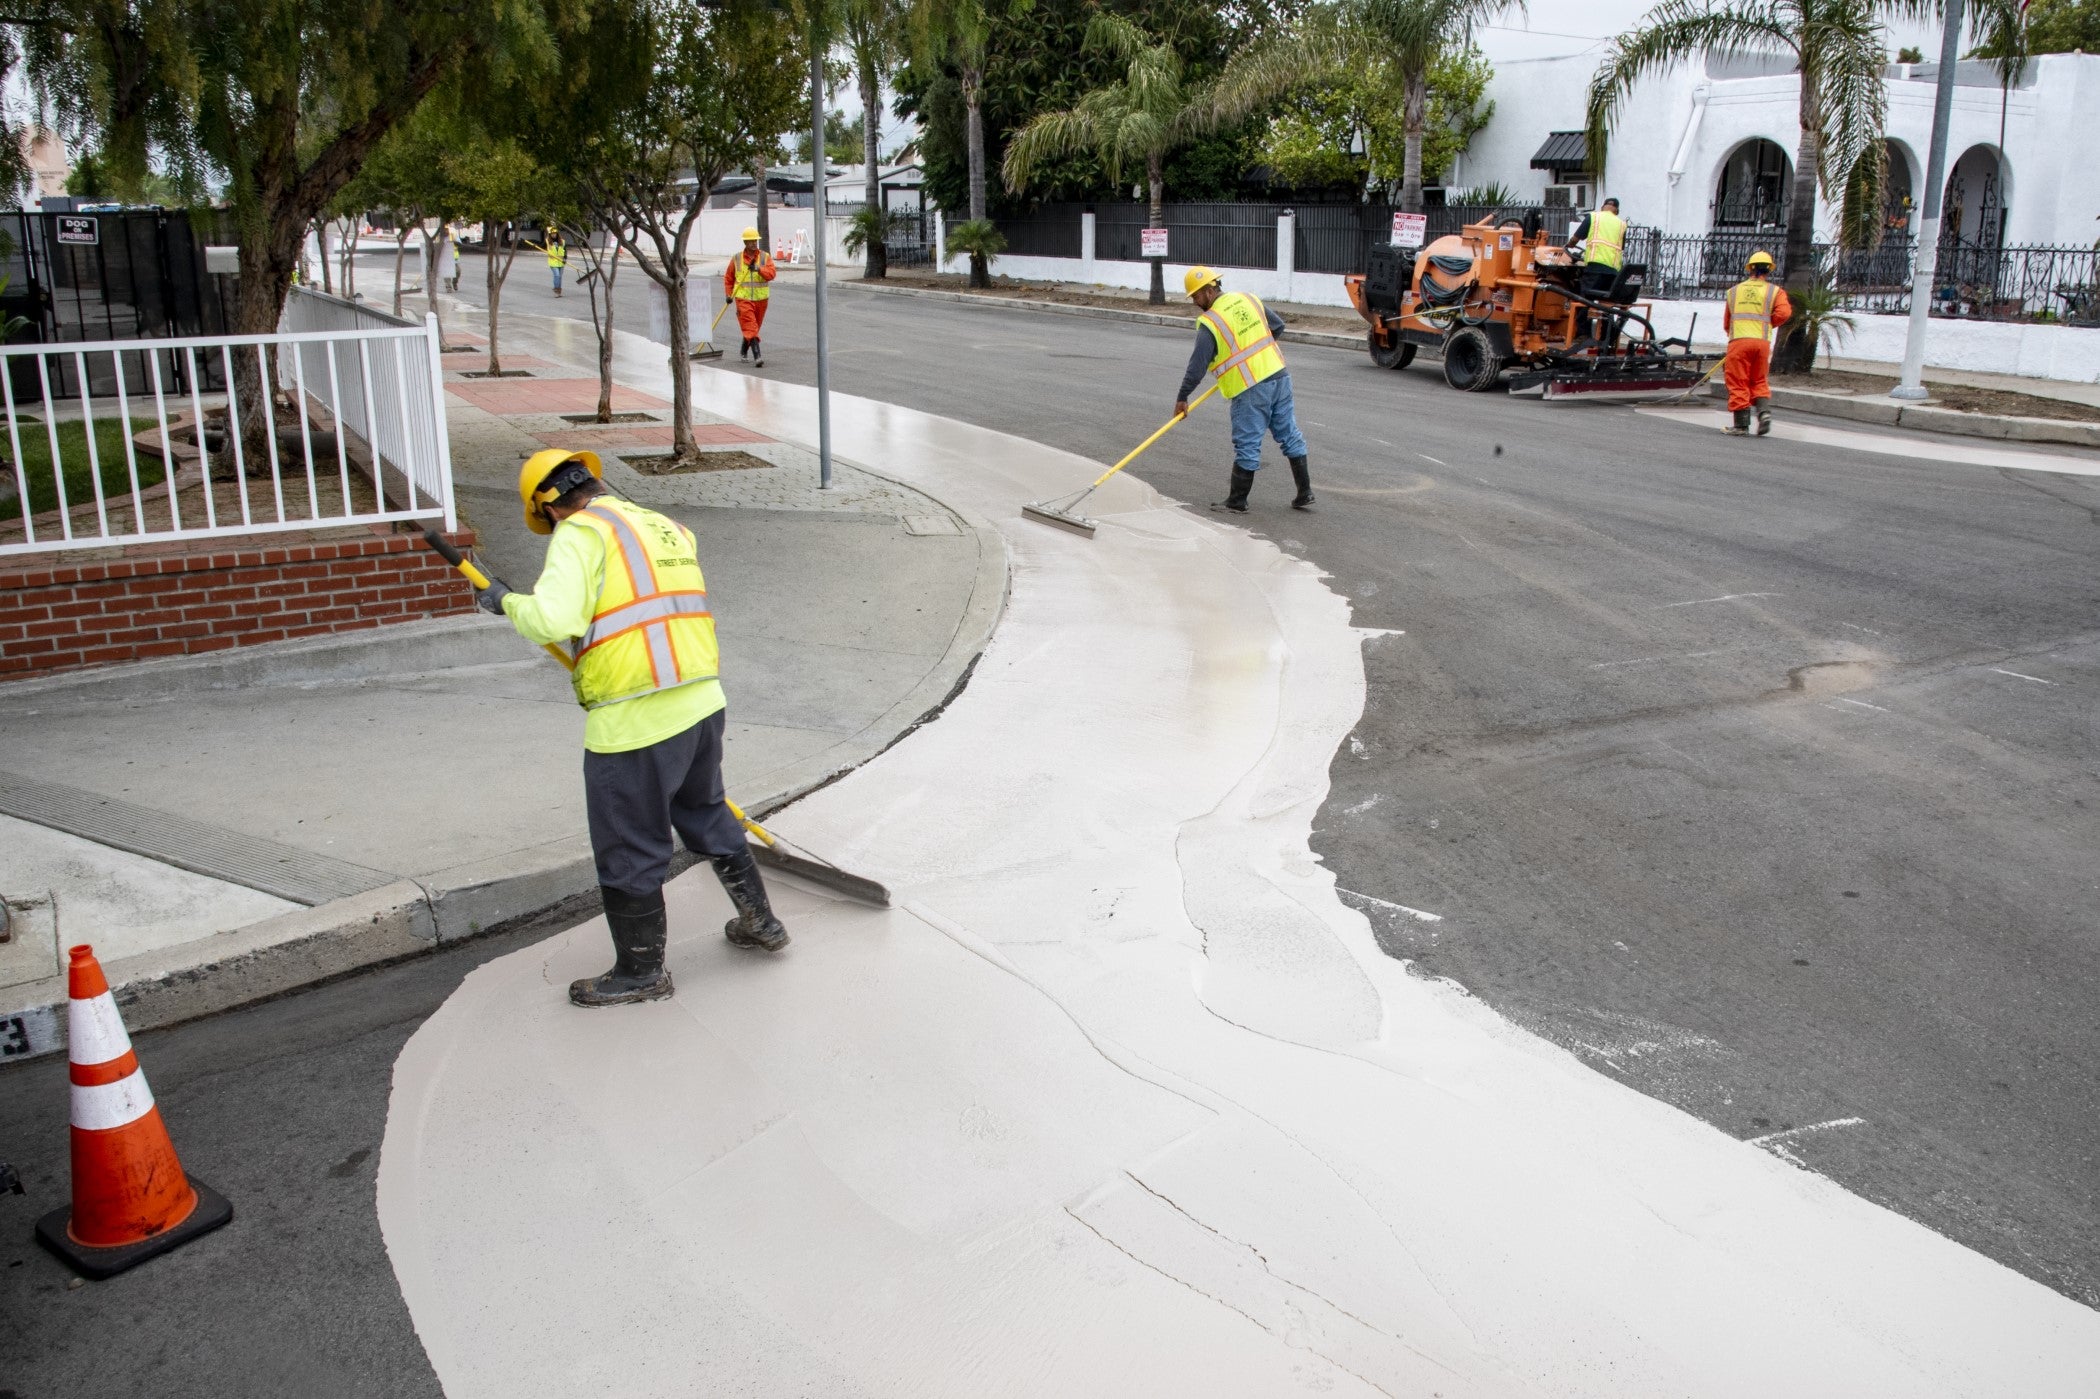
(1753, 313)
(744, 281)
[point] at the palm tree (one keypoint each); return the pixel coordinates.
(959, 32)
(1840, 49)
(1146, 115)
(1406, 37)
(874, 32)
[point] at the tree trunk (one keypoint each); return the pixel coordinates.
(764, 221)
(676, 272)
(1415, 113)
(605, 340)
(433, 253)
(267, 266)
(498, 267)
(400, 254)
(1795, 352)
(348, 254)
(1156, 186)
(871, 153)
(973, 99)
(327, 272)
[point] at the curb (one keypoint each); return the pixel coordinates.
(1331, 339)
(1883, 412)
(411, 917)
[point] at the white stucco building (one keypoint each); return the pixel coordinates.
(1709, 146)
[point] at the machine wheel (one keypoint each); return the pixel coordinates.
(1469, 360)
(1397, 355)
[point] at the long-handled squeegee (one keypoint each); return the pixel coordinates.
(1063, 511)
(771, 850)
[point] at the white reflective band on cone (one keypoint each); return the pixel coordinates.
(99, 1107)
(94, 1031)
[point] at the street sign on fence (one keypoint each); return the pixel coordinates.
(79, 228)
(1409, 230)
(1152, 242)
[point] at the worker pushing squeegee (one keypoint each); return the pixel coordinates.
(624, 585)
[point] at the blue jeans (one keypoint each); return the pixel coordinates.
(1264, 408)
(557, 277)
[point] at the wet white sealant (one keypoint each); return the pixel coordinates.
(1122, 1099)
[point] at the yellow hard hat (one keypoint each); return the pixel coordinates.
(1196, 279)
(535, 486)
(750, 235)
(1760, 258)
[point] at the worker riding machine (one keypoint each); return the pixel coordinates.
(1499, 300)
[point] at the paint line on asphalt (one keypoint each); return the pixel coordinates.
(1419, 915)
(1644, 660)
(1725, 597)
(1781, 1144)
(1868, 630)
(1996, 670)
(1862, 704)
(1428, 458)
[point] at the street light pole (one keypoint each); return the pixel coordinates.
(818, 230)
(1925, 266)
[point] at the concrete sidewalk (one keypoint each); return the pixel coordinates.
(229, 827)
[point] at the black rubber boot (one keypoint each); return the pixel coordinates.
(1764, 416)
(743, 348)
(1236, 500)
(1301, 472)
(754, 924)
(639, 929)
(1740, 427)
(758, 353)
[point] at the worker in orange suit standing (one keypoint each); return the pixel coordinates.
(1752, 315)
(745, 281)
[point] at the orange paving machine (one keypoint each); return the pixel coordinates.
(1498, 300)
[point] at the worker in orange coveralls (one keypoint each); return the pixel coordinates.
(744, 281)
(1752, 315)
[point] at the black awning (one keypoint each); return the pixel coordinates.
(1564, 150)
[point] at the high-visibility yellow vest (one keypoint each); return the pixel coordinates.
(557, 254)
(1606, 245)
(1246, 352)
(751, 284)
(651, 629)
(1750, 310)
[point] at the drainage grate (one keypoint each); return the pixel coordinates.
(252, 861)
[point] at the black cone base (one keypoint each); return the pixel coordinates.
(212, 1211)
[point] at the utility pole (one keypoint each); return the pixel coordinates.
(818, 230)
(1925, 266)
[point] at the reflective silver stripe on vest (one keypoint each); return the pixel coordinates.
(1226, 337)
(630, 545)
(641, 611)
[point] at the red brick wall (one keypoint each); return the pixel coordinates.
(104, 606)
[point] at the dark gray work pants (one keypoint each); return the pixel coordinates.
(636, 799)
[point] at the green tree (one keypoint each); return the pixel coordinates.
(959, 33)
(499, 184)
(670, 97)
(874, 31)
(1334, 42)
(2053, 26)
(1148, 112)
(1315, 140)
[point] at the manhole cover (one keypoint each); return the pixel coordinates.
(667, 465)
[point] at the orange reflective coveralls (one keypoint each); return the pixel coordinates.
(749, 291)
(1748, 366)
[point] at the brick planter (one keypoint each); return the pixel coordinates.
(105, 606)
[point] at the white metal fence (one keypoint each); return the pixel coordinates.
(169, 442)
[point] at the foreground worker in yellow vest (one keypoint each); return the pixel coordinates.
(1752, 315)
(744, 282)
(1236, 340)
(623, 592)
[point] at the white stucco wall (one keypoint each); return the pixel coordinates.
(2050, 193)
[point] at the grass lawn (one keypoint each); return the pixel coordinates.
(72, 450)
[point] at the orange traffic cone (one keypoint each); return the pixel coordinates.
(130, 1197)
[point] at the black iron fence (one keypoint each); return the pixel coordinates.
(131, 274)
(2045, 284)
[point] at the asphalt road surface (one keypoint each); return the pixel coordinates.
(1761, 774)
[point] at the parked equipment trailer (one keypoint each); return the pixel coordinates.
(1497, 300)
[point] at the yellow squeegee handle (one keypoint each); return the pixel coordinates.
(481, 580)
(750, 825)
(1164, 428)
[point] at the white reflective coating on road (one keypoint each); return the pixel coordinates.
(1122, 1098)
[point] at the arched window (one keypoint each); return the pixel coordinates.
(1977, 200)
(1754, 189)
